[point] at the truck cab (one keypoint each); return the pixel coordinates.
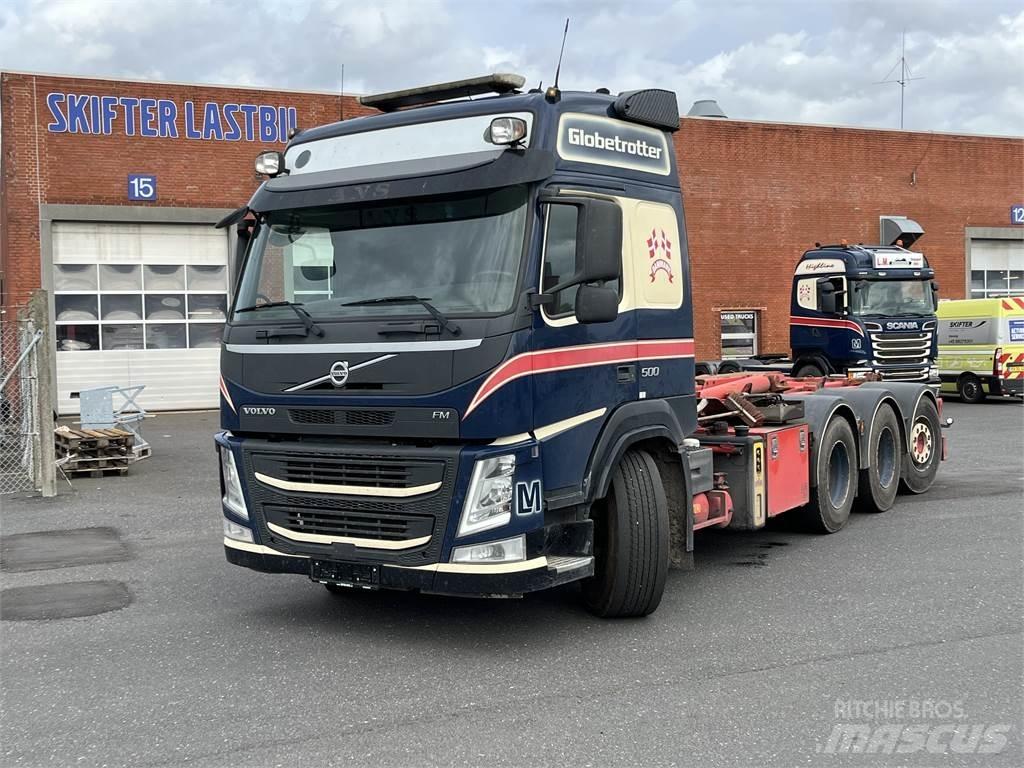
(449, 316)
(857, 309)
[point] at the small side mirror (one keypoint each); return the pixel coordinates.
(596, 304)
(243, 235)
(826, 296)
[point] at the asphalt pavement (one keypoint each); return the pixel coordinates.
(761, 656)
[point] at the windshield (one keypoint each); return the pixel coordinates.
(893, 297)
(460, 253)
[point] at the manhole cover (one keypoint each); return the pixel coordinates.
(60, 549)
(62, 601)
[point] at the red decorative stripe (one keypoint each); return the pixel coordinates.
(565, 358)
(224, 392)
(824, 322)
(1019, 302)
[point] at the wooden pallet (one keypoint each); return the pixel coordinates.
(94, 451)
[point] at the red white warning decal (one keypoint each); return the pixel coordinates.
(659, 249)
(585, 356)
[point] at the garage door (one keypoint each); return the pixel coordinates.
(997, 268)
(139, 304)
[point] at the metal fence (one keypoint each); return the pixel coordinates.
(26, 416)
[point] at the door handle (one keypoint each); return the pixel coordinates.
(625, 373)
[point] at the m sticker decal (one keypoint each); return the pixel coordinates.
(603, 141)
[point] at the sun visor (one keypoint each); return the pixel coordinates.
(411, 178)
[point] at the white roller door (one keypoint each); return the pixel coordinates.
(997, 268)
(139, 304)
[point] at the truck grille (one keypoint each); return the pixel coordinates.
(308, 416)
(902, 356)
(351, 519)
(372, 526)
(365, 472)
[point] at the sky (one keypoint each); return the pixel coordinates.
(799, 61)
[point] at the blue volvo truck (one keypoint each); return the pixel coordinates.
(460, 359)
(860, 309)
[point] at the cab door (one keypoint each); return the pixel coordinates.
(581, 372)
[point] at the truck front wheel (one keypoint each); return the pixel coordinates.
(631, 541)
(924, 452)
(808, 370)
(836, 475)
(880, 481)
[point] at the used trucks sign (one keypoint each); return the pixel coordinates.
(603, 141)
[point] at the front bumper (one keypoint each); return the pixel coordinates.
(471, 580)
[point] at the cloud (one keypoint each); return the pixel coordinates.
(785, 61)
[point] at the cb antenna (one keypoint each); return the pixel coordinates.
(342, 108)
(565, 34)
(905, 74)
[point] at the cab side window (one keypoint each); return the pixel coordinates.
(560, 257)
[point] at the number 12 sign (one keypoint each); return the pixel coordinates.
(1017, 214)
(141, 186)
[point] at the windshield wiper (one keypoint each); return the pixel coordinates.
(296, 307)
(447, 324)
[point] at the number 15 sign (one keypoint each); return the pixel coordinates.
(141, 186)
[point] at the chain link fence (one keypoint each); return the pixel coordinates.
(26, 416)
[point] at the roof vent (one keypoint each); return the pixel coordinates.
(706, 108)
(893, 230)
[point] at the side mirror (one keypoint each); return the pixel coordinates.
(243, 235)
(826, 296)
(596, 304)
(598, 243)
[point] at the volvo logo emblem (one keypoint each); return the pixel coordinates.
(339, 373)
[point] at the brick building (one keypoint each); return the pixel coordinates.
(108, 189)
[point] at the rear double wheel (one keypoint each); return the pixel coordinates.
(631, 541)
(881, 479)
(835, 468)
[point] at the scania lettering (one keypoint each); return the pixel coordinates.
(479, 379)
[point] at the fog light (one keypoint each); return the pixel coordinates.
(506, 130)
(269, 163)
(504, 551)
(236, 531)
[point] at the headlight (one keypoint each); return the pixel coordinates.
(506, 551)
(506, 130)
(232, 498)
(269, 163)
(489, 501)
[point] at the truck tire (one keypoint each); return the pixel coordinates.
(924, 452)
(836, 469)
(970, 389)
(631, 541)
(807, 370)
(878, 483)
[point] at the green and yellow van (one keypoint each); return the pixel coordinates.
(981, 347)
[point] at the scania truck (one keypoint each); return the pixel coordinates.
(460, 360)
(859, 309)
